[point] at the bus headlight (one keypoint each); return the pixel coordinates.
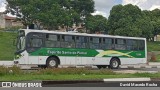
(18, 56)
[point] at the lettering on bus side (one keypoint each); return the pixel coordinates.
(67, 52)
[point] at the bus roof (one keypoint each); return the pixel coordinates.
(82, 34)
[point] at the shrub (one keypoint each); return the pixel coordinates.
(14, 70)
(74, 71)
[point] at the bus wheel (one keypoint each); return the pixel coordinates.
(52, 62)
(114, 63)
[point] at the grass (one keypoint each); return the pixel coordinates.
(7, 48)
(158, 58)
(153, 46)
(67, 77)
(15, 74)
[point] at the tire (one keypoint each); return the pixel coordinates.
(52, 62)
(114, 63)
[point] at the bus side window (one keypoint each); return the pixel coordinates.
(95, 43)
(80, 42)
(108, 43)
(68, 42)
(52, 40)
(120, 44)
(132, 44)
(135, 45)
(141, 45)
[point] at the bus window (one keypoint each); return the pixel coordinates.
(108, 43)
(95, 43)
(52, 40)
(132, 45)
(120, 44)
(68, 41)
(135, 45)
(81, 42)
(141, 45)
(35, 42)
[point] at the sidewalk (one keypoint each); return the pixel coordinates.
(6, 63)
(154, 63)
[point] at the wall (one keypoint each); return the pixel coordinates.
(2, 20)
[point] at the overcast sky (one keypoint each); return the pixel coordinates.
(103, 7)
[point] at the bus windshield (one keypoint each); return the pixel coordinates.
(21, 43)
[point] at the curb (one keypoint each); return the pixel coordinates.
(8, 63)
(130, 67)
(99, 81)
(72, 81)
(127, 79)
(139, 66)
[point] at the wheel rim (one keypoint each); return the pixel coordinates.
(115, 64)
(52, 63)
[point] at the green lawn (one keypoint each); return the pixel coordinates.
(7, 48)
(158, 58)
(70, 77)
(65, 74)
(153, 46)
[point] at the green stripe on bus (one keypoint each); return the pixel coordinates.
(87, 53)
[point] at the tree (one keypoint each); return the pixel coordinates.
(96, 23)
(114, 18)
(19, 9)
(155, 19)
(122, 20)
(145, 24)
(50, 13)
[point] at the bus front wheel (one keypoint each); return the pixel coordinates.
(52, 62)
(114, 63)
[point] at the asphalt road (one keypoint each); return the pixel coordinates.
(85, 88)
(109, 84)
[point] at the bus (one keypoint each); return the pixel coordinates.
(51, 49)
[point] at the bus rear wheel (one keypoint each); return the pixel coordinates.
(114, 63)
(52, 62)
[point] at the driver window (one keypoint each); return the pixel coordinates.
(35, 42)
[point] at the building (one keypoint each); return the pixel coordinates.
(8, 21)
(157, 38)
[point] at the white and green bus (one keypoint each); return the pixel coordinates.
(50, 49)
